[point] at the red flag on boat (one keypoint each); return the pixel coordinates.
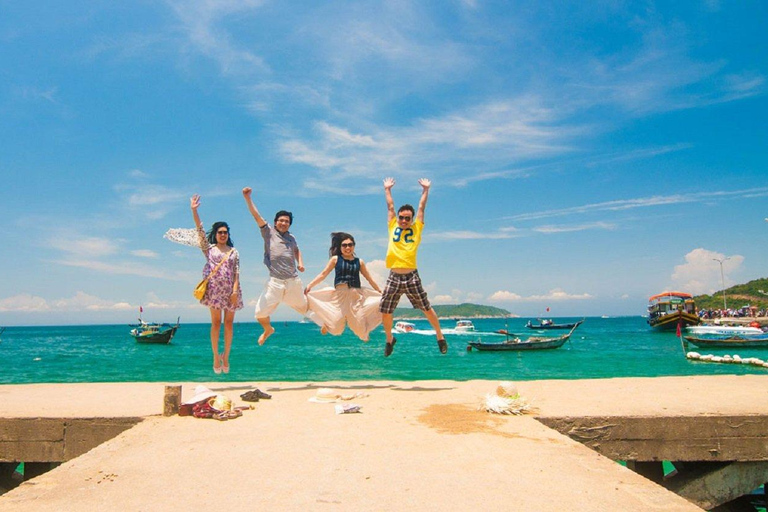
(141, 309)
(547, 309)
(679, 323)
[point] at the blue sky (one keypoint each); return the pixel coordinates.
(584, 155)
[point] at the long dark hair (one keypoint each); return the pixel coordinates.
(336, 239)
(215, 228)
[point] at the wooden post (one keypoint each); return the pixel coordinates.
(171, 400)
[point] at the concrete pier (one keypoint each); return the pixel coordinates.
(415, 446)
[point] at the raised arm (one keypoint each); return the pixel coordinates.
(388, 184)
(194, 203)
(364, 271)
(252, 207)
(322, 275)
(425, 184)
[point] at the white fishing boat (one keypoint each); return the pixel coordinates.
(402, 326)
(464, 326)
(723, 330)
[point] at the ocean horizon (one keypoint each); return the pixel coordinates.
(599, 348)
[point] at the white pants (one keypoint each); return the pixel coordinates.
(356, 307)
(287, 291)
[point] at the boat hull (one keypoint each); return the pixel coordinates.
(554, 326)
(545, 344)
(160, 338)
(669, 322)
(730, 341)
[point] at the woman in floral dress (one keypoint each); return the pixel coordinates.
(223, 295)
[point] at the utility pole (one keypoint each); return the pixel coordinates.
(722, 278)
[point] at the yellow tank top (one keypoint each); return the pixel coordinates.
(403, 244)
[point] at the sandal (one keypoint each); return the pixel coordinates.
(254, 395)
(390, 347)
(443, 346)
(261, 394)
(224, 368)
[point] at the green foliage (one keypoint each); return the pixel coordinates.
(737, 296)
(465, 310)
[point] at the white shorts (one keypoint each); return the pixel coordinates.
(287, 291)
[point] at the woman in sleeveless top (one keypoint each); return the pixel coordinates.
(347, 303)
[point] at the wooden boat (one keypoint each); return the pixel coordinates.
(667, 310)
(727, 341)
(549, 324)
(514, 343)
(160, 334)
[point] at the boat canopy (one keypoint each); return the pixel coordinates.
(681, 295)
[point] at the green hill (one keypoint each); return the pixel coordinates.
(737, 296)
(456, 311)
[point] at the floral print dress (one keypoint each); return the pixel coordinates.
(220, 285)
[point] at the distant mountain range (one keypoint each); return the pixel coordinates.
(737, 296)
(465, 310)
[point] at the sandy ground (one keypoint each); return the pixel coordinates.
(415, 446)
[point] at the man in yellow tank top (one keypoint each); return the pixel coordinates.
(405, 229)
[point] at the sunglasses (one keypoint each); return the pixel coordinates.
(222, 232)
(404, 217)
(348, 244)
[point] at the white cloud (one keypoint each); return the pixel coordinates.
(555, 295)
(127, 268)
(473, 297)
(202, 22)
(137, 174)
(480, 137)
(94, 247)
(701, 273)
(643, 202)
(505, 296)
(471, 235)
(24, 303)
(559, 295)
(378, 270)
(552, 229)
(36, 93)
(456, 297)
(144, 253)
(81, 301)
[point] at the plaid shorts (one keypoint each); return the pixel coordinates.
(410, 284)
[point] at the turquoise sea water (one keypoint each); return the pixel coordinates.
(600, 348)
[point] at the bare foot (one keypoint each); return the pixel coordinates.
(266, 334)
